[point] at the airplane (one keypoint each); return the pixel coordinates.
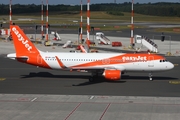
(109, 65)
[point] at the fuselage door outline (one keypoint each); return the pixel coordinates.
(150, 61)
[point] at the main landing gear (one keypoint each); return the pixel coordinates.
(93, 77)
(150, 77)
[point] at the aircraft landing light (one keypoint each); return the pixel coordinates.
(174, 82)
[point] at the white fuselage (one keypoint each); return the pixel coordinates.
(104, 60)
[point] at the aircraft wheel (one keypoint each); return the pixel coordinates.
(150, 79)
(91, 79)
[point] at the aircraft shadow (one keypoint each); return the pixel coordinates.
(124, 78)
(49, 75)
(127, 77)
(97, 81)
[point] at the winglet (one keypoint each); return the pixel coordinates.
(22, 43)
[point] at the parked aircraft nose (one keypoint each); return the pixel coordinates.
(170, 65)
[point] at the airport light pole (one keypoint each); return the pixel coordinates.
(81, 23)
(42, 19)
(47, 33)
(169, 44)
(79, 33)
(49, 30)
(10, 14)
(92, 30)
(88, 23)
(132, 25)
(35, 32)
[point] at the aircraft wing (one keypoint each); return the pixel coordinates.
(89, 69)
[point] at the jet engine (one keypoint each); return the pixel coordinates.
(112, 74)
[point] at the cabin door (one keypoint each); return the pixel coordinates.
(39, 59)
(151, 61)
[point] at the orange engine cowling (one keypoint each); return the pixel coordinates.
(112, 74)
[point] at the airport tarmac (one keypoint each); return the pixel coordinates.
(27, 92)
(27, 79)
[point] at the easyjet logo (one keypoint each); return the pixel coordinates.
(21, 39)
(134, 58)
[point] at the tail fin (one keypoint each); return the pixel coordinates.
(22, 43)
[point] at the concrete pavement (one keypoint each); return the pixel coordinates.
(68, 107)
(168, 47)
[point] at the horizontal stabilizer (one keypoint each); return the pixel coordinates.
(14, 57)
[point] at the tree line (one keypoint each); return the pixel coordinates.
(155, 9)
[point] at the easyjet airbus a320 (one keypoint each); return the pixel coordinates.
(109, 65)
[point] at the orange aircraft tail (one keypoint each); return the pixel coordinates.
(22, 43)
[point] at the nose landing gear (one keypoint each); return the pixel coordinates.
(150, 77)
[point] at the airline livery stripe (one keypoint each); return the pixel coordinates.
(121, 59)
(60, 63)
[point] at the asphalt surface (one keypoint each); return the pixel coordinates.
(20, 78)
(148, 32)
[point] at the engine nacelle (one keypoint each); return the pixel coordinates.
(112, 74)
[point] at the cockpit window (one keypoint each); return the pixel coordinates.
(163, 60)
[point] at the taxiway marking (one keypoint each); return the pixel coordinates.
(174, 82)
(2, 79)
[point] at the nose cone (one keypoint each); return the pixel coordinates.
(170, 65)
